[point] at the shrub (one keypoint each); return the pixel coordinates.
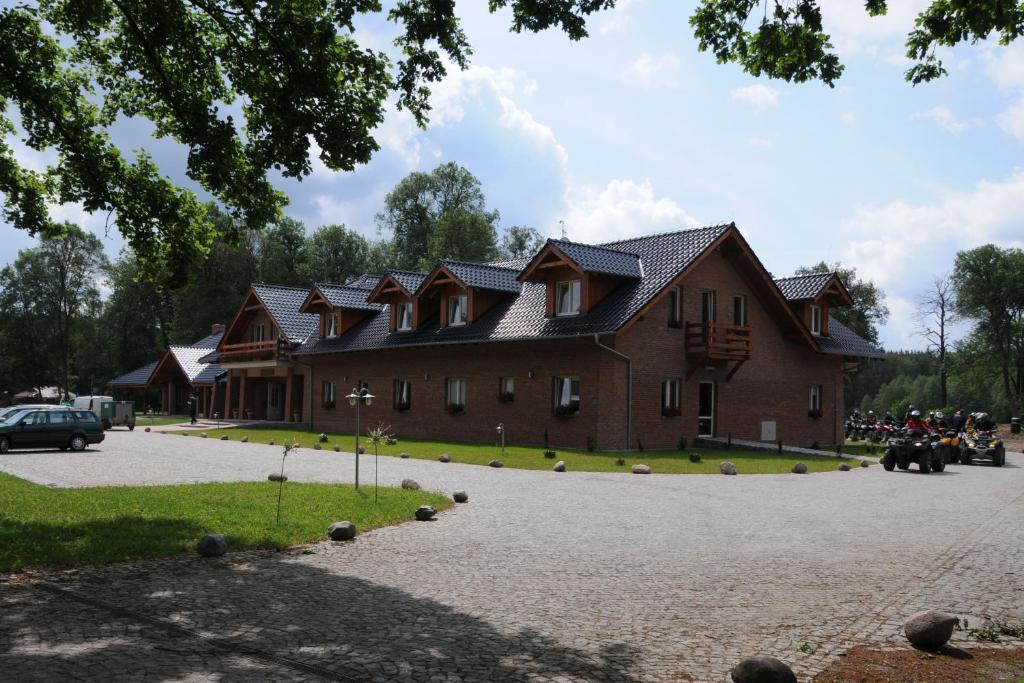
(549, 454)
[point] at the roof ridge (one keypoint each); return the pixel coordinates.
(267, 284)
(403, 270)
(602, 247)
(479, 264)
(661, 234)
(795, 276)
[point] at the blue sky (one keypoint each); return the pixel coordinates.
(633, 131)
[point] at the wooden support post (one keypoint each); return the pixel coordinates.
(241, 395)
(287, 413)
(227, 398)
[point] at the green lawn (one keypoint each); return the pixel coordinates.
(158, 420)
(66, 527)
(532, 458)
(860, 448)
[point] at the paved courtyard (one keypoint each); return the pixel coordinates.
(540, 577)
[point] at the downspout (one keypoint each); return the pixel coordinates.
(629, 385)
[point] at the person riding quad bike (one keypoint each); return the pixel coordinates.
(913, 444)
(958, 421)
(889, 419)
(949, 439)
(981, 443)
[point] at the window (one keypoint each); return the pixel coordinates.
(458, 309)
(331, 325)
(328, 394)
(567, 298)
(86, 416)
(739, 310)
(61, 417)
(815, 319)
(40, 418)
(707, 306)
(567, 395)
(506, 389)
(455, 401)
(403, 394)
(814, 401)
(675, 305)
(706, 409)
(403, 316)
(671, 397)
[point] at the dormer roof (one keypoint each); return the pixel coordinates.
(588, 258)
(346, 296)
(476, 275)
(406, 281)
(811, 286)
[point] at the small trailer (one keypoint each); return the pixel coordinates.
(110, 412)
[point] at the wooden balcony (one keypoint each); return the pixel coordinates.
(712, 341)
(270, 349)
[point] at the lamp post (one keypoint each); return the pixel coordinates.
(357, 398)
(501, 433)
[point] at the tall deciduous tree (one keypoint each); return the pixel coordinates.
(990, 291)
(441, 214)
(935, 313)
(245, 86)
(788, 40)
(335, 254)
(520, 241)
(281, 253)
(868, 310)
(57, 284)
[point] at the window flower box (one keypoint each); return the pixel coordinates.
(567, 410)
(814, 413)
(506, 397)
(455, 408)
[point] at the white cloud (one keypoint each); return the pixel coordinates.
(1012, 120)
(900, 246)
(648, 69)
(758, 95)
(760, 143)
(944, 118)
(616, 19)
(849, 118)
(1005, 65)
(855, 32)
(622, 208)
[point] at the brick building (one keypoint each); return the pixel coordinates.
(627, 344)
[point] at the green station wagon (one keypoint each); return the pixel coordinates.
(63, 429)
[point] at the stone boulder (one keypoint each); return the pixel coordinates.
(444, 457)
(337, 448)
(202, 434)
(224, 438)
(362, 451)
(929, 628)
(864, 463)
(271, 442)
(727, 468)
(460, 497)
(641, 469)
(799, 468)
(316, 447)
(425, 513)
(277, 477)
(322, 437)
(694, 457)
(410, 484)
(147, 429)
(762, 670)
(496, 463)
(559, 466)
(212, 545)
(342, 531)
(245, 439)
(403, 455)
(843, 467)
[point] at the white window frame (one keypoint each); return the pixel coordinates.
(331, 325)
(507, 386)
(458, 302)
(566, 394)
(708, 306)
(709, 419)
(815, 320)
(672, 397)
(575, 288)
(403, 394)
(814, 399)
(258, 333)
(455, 393)
(403, 307)
(329, 393)
(742, 301)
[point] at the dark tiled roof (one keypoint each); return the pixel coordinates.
(348, 297)
(522, 317)
(800, 287)
(599, 259)
(484, 276)
(283, 305)
(409, 279)
(209, 342)
(842, 341)
(208, 374)
(365, 281)
(139, 377)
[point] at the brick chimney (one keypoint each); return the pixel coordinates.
(217, 328)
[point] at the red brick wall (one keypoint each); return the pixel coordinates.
(773, 385)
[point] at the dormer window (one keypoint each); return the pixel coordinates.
(403, 316)
(258, 333)
(816, 320)
(331, 325)
(567, 297)
(458, 309)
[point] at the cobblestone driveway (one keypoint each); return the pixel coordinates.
(542, 576)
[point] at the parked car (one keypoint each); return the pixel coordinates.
(61, 428)
(10, 410)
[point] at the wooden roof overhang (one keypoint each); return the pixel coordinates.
(550, 256)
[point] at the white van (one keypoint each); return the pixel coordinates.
(92, 403)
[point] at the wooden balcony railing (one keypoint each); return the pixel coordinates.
(718, 341)
(270, 349)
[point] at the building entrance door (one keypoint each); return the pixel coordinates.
(275, 401)
(706, 409)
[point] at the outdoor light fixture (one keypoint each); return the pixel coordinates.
(357, 398)
(501, 434)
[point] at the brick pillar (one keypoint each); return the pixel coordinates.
(227, 397)
(288, 396)
(241, 395)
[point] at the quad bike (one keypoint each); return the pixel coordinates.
(982, 445)
(911, 446)
(949, 443)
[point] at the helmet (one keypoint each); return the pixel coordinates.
(931, 414)
(939, 415)
(915, 413)
(888, 413)
(871, 413)
(982, 416)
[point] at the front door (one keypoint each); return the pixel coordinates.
(275, 401)
(33, 430)
(706, 409)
